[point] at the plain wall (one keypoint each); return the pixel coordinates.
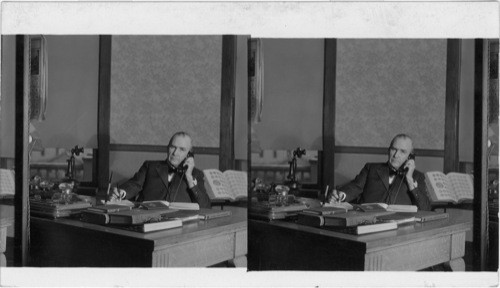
(389, 86)
(161, 84)
(7, 97)
(293, 94)
(71, 115)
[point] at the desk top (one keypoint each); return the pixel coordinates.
(404, 233)
(236, 221)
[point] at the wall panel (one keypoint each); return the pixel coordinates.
(388, 86)
(163, 84)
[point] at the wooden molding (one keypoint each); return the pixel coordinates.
(21, 212)
(453, 66)
(249, 120)
(159, 148)
(104, 110)
(328, 154)
(383, 151)
(480, 205)
(228, 91)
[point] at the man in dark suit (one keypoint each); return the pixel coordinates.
(393, 182)
(174, 179)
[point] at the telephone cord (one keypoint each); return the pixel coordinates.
(397, 192)
(177, 189)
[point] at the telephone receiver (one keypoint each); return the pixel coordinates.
(402, 169)
(182, 168)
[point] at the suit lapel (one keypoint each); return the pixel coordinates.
(383, 173)
(176, 186)
(163, 172)
(396, 190)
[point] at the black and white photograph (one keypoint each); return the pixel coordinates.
(249, 144)
(374, 118)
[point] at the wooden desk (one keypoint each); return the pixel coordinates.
(6, 219)
(71, 243)
(283, 245)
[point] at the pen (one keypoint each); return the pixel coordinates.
(109, 187)
(326, 192)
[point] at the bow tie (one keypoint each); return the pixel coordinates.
(173, 170)
(392, 172)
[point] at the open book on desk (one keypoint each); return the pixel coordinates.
(372, 207)
(229, 185)
(123, 202)
(343, 205)
(449, 188)
(162, 204)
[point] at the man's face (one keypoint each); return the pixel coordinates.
(399, 152)
(179, 149)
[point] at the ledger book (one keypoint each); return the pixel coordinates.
(452, 187)
(229, 185)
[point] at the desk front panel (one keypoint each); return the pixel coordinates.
(58, 244)
(413, 255)
(281, 245)
(71, 243)
(203, 251)
(274, 247)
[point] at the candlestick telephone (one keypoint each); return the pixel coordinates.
(400, 172)
(182, 167)
(402, 169)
